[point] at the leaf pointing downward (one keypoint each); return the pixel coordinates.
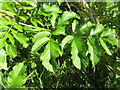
(93, 50)
(3, 63)
(105, 47)
(49, 55)
(75, 58)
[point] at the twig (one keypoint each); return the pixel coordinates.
(68, 5)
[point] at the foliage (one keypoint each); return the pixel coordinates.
(59, 44)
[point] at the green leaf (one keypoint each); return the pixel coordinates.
(105, 47)
(98, 29)
(3, 62)
(39, 43)
(21, 38)
(27, 7)
(75, 22)
(8, 13)
(52, 8)
(113, 41)
(108, 33)
(1, 79)
(93, 50)
(66, 16)
(16, 77)
(85, 27)
(53, 19)
(40, 35)
(11, 51)
(75, 58)
(18, 27)
(2, 42)
(49, 55)
(60, 31)
(66, 40)
(11, 38)
(2, 34)
(110, 36)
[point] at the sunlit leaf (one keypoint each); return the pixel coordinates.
(3, 62)
(17, 77)
(39, 43)
(98, 29)
(66, 40)
(94, 51)
(21, 38)
(11, 51)
(75, 58)
(105, 46)
(40, 35)
(49, 55)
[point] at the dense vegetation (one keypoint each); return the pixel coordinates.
(59, 44)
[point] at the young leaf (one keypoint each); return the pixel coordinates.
(40, 35)
(16, 78)
(21, 38)
(66, 40)
(11, 51)
(75, 58)
(105, 47)
(3, 62)
(39, 43)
